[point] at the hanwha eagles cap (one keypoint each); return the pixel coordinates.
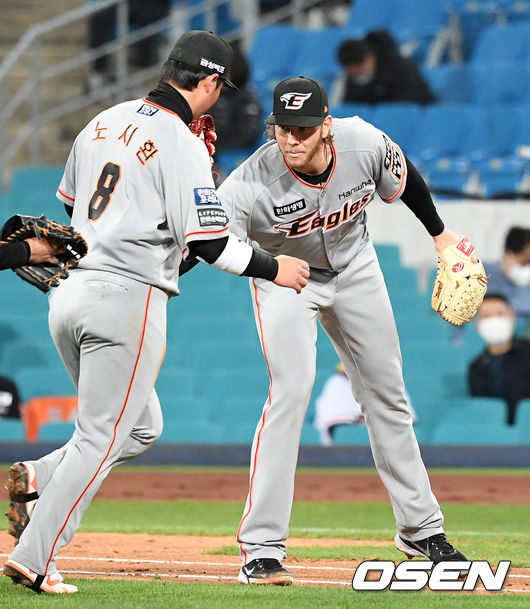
(299, 102)
(204, 50)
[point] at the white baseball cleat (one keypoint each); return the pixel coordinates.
(52, 583)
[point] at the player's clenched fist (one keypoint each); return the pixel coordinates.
(292, 273)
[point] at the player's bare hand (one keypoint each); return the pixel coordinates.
(44, 250)
(446, 239)
(292, 273)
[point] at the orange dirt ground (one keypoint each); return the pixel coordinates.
(185, 558)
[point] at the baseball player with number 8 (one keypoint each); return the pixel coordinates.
(139, 188)
(304, 194)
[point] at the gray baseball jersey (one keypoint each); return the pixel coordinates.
(325, 224)
(141, 188)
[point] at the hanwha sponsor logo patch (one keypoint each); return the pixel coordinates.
(458, 267)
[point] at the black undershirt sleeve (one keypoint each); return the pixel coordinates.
(69, 210)
(260, 265)
(417, 198)
(13, 255)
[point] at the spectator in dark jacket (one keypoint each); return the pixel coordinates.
(511, 276)
(375, 71)
(502, 370)
(237, 113)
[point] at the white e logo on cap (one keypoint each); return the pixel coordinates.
(294, 101)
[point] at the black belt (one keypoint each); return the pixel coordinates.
(328, 272)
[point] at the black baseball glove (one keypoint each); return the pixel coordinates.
(46, 275)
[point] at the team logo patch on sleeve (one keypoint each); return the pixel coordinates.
(212, 217)
(147, 109)
(393, 159)
(206, 196)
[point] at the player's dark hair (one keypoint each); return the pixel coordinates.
(517, 239)
(271, 135)
(497, 296)
(353, 52)
(183, 76)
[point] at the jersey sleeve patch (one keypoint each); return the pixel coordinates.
(212, 217)
(206, 196)
(393, 159)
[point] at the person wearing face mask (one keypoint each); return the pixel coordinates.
(502, 370)
(375, 71)
(511, 276)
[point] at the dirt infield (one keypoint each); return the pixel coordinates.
(217, 486)
(187, 558)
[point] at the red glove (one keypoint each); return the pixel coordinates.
(204, 128)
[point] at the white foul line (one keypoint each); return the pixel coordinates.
(210, 564)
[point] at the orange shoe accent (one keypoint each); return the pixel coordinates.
(52, 584)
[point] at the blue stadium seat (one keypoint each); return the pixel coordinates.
(316, 54)
(492, 132)
(500, 83)
(522, 421)
(516, 10)
(500, 183)
(56, 432)
(417, 21)
(231, 159)
(388, 255)
(449, 82)
(189, 432)
(310, 435)
(480, 432)
(346, 435)
(176, 384)
(352, 109)
(33, 354)
(216, 325)
(220, 382)
(399, 121)
(271, 57)
(11, 430)
(228, 352)
(32, 382)
(441, 131)
(503, 44)
(474, 17)
(366, 15)
(232, 408)
(33, 191)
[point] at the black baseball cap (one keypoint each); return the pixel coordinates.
(204, 50)
(299, 102)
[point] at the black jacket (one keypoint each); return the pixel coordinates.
(397, 79)
(514, 382)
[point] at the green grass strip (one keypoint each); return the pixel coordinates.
(158, 593)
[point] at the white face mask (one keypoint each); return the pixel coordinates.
(364, 78)
(519, 274)
(496, 330)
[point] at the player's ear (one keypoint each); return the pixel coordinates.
(211, 82)
(326, 127)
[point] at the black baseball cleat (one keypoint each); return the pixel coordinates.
(265, 571)
(435, 548)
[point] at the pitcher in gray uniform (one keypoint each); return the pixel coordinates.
(304, 193)
(139, 188)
